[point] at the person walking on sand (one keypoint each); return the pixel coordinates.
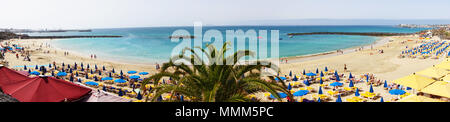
(91, 56)
(17, 55)
(345, 67)
(95, 56)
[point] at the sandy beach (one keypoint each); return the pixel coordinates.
(384, 66)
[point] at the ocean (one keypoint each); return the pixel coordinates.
(152, 44)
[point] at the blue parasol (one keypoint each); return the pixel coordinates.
(371, 89)
(357, 92)
(382, 100)
(135, 77)
(35, 73)
(320, 90)
(132, 72)
(317, 71)
(143, 73)
(326, 69)
(107, 78)
(91, 83)
(61, 74)
(304, 73)
(321, 81)
(139, 96)
(350, 84)
(289, 86)
(321, 74)
(104, 68)
(336, 84)
(24, 67)
(290, 73)
(282, 95)
(311, 74)
(120, 81)
(301, 92)
(385, 84)
(397, 92)
(350, 76)
(339, 99)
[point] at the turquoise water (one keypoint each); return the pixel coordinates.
(149, 45)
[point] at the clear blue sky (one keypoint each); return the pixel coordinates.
(143, 13)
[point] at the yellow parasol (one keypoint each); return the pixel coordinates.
(440, 88)
(415, 98)
(414, 81)
(433, 72)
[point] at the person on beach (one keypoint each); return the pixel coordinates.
(17, 56)
(91, 56)
(345, 67)
(157, 66)
(95, 56)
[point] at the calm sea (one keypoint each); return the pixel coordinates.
(152, 44)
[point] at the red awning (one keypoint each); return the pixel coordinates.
(8, 76)
(45, 89)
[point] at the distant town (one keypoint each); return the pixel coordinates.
(425, 26)
(42, 31)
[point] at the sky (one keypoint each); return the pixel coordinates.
(75, 14)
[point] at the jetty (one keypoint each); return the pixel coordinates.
(351, 33)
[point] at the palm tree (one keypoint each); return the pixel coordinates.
(211, 81)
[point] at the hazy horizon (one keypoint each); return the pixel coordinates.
(87, 14)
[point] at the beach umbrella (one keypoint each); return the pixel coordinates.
(371, 89)
(63, 64)
(76, 74)
(336, 84)
(107, 78)
(49, 65)
(95, 78)
(71, 79)
(304, 73)
(104, 68)
(120, 81)
(357, 92)
(326, 69)
(99, 73)
(320, 90)
(104, 88)
(310, 74)
(35, 73)
(289, 86)
(24, 67)
(96, 67)
(295, 78)
(139, 96)
(181, 98)
(306, 82)
(385, 84)
(121, 77)
(75, 64)
(339, 99)
(131, 72)
(92, 72)
(29, 71)
(408, 88)
(318, 100)
(121, 73)
(290, 73)
(79, 80)
(143, 73)
(87, 67)
(53, 73)
(36, 67)
(159, 98)
(70, 71)
(350, 84)
(382, 100)
(113, 71)
(321, 81)
(81, 64)
(396, 92)
(63, 70)
(135, 77)
(68, 65)
(337, 78)
(110, 74)
(350, 76)
(282, 95)
(82, 69)
(321, 74)
(367, 78)
(91, 83)
(335, 73)
(120, 92)
(300, 93)
(87, 76)
(61, 74)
